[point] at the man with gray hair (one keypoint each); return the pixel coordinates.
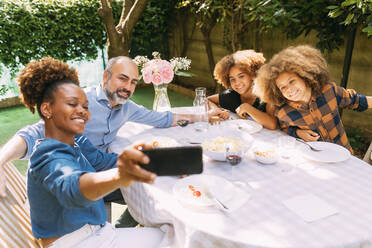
(111, 108)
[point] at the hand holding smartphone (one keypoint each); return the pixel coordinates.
(174, 161)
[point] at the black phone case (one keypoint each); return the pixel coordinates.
(175, 161)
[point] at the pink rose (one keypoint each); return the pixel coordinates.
(166, 72)
(157, 79)
(147, 74)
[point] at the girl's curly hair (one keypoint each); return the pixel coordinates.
(248, 61)
(305, 61)
(39, 80)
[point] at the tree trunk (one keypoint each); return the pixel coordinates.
(347, 60)
(206, 31)
(119, 36)
(348, 56)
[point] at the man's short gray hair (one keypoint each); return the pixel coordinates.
(113, 61)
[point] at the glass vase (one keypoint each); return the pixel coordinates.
(161, 100)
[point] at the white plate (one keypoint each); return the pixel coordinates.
(206, 184)
(244, 125)
(331, 153)
(159, 141)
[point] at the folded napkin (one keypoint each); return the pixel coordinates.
(229, 194)
(310, 207)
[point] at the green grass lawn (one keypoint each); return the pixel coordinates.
(14, 118)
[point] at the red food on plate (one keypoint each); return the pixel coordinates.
(197, 193)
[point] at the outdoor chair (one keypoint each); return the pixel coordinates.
(368, 155)
(15, 222)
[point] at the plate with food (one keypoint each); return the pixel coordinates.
(159, 141)
(200, 191)
(216, 147)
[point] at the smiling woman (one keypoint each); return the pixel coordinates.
(68, 177)
(57, 97)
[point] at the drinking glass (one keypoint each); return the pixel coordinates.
(286, 146)
(286, 150)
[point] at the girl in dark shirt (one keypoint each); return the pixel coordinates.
(236, 73)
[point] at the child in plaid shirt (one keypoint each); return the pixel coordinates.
(297, 81)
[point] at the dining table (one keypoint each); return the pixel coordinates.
(295, 202)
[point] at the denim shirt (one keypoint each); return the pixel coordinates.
(56, 202)
(105, 121)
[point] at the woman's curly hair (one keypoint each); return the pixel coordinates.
(305, 61)
(248, 61)
(39, 80)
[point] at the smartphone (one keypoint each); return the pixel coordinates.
(174, 161)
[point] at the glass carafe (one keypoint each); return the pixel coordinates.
(201, 109)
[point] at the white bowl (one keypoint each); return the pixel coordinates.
(218, 156)
(265, 156)
(244, 143)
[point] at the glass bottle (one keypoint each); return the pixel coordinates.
(201, 109)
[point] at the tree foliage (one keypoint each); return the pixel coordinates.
(207, 14)
(354, 13)
(151, 31)
(313, 16)
(72, 29)
(65, 30)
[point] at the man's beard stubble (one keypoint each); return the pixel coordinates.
(115, 97)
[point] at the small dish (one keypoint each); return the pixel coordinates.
(265, 156)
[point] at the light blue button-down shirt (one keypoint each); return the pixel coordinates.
(57, 205)
(105, 120)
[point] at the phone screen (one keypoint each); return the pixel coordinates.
(175, 161)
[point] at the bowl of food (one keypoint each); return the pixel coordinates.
(265, 155)
(215, 148)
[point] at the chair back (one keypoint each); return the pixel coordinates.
(368, 155)
(15, 221)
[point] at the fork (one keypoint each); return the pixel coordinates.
(219, 203)
(311, 147)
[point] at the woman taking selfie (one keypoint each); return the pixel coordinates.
(67, 175)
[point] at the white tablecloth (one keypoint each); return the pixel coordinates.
(263, 221)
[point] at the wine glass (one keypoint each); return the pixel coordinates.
(234, 157)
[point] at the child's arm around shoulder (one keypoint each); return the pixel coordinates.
(349, 98)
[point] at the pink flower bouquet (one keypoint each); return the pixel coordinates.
(157, 71)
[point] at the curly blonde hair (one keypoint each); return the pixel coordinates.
(39, 79)
(305, 61)
(248, 61)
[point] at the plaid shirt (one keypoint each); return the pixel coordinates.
(321, 115)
